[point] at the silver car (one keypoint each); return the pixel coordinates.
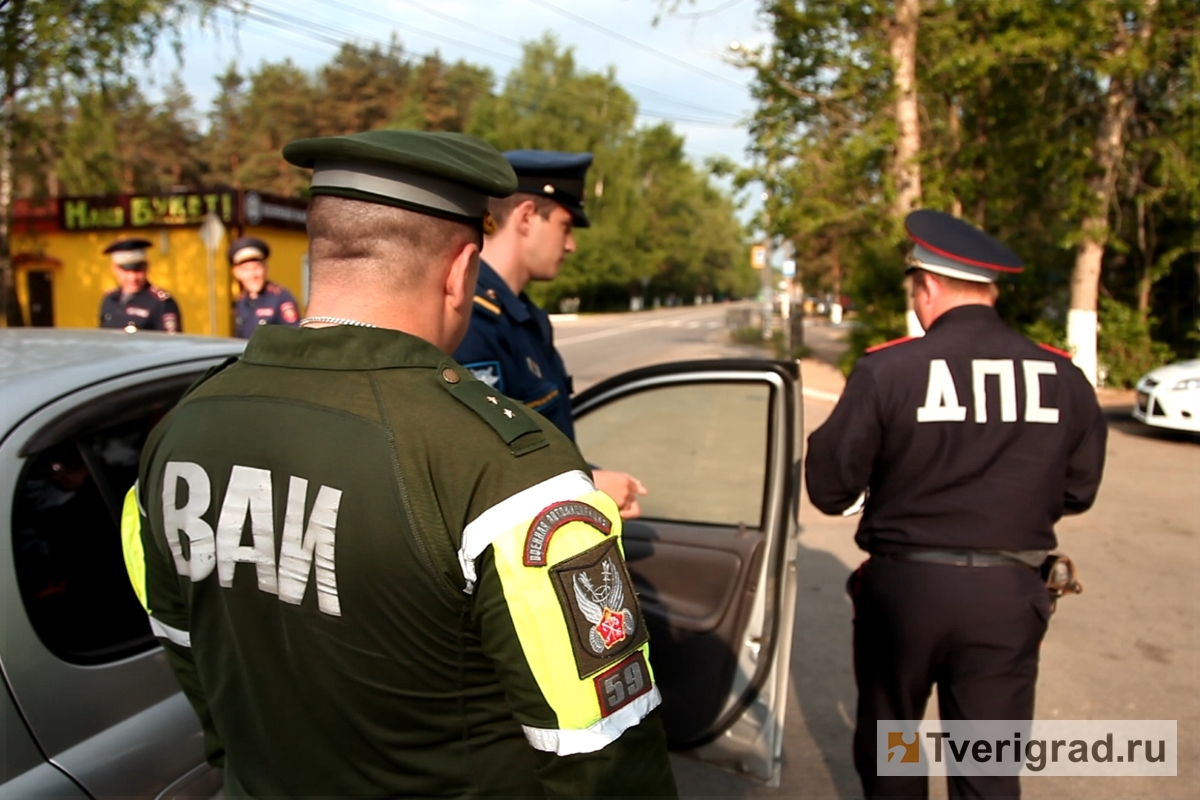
(91, 708)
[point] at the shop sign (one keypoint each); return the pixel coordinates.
(277, 212)
(145, 210)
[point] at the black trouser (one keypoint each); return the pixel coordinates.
(974, 631)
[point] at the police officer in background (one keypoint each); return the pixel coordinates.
(262, 302)
(510, 343)
(373, 574)
(135, 305)
(967, 445)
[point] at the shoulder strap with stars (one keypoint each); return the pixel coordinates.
(505, 416)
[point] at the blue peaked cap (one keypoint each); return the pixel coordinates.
(559, 176)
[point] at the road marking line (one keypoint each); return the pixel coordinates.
(587, 337)
(584, 337)
(817, 394)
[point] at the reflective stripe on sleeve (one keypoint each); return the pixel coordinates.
(554, 631)
(521, 507)
(164, 631)
(131, 545)
(595, 737)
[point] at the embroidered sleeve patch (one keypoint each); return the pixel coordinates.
(596, 595)
(619, 686)
(488, 372)
(537, 540)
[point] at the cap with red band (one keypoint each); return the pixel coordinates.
(946, 245)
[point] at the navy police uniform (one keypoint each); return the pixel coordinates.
(150, 309)
(274, 305)
(510, 347)
(510, 344)
(968, 444)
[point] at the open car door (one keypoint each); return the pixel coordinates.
(717, 444)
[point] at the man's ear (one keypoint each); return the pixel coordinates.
(523, 216)
(460, 277)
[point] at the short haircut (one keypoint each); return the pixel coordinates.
(958, 286)
(379, 244)
(502, 207)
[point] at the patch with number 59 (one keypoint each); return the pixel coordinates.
(619, 686)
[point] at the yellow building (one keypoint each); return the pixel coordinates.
(62, 274)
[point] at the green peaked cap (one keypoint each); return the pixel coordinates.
(449, 175)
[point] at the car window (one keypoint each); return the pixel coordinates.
(66, 535)
(700, 449)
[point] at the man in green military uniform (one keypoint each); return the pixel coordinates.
(372, 574)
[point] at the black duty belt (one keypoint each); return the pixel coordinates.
(957, 558)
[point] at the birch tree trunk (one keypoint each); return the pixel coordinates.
(906, 168)
(1109, 149)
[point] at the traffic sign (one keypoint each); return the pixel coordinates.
(758, 256)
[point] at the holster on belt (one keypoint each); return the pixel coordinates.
(1058, 570)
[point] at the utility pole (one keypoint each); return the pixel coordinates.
(212, 233)
(768, 288)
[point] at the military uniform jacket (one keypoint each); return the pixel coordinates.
(375, 576)
(510, 347)
(971, 437)
(151, 309)
(274, 305)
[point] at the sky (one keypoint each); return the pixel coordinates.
(675, 70)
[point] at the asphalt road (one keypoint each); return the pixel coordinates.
(1127, 648)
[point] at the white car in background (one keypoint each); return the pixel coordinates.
(1169, 397)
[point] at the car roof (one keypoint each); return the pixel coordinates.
(38, 365)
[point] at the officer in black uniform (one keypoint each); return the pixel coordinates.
(510, 344)
(262, 301)
(966, 445)
(136, 305)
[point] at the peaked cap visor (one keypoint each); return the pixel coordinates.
(957, 241)
(414, 170)
(248, 248)
(564, 195)
(128, 244)
(128, 254)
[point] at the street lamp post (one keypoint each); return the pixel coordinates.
(212, 233)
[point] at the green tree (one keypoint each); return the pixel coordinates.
(1062, 128)
(252, 119)
(658, 224)
(48, 43)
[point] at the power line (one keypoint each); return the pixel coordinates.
(635, 43)
(516, 43)
(336, 37)
(428, 9)
(514, 59)
(422, 31)
(710, 12)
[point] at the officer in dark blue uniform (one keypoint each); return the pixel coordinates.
(510, 343)
(135, 305)
(966, 445)
(262, 302)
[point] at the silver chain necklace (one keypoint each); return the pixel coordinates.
(337, 321)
